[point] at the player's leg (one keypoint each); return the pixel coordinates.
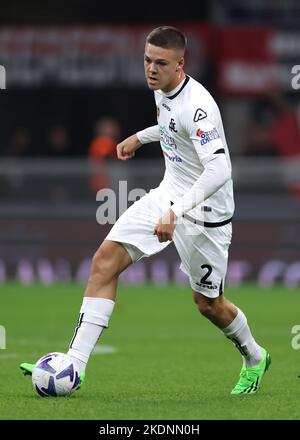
(109, 261)
(98, 303)
(233, 323)
(99, 299)
(134, 229)
(204, 257)
(130, 239)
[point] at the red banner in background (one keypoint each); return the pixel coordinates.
(91, 56)
(253, 60)
(239, 60)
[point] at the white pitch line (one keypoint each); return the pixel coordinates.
(105, 349)
(99, 349)
(9, 355)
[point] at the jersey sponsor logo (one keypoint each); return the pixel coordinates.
(173, 158)
(166, 140)
(166, 106)
(199, 114)
(207, 136)
(168, 145)
(172, 125)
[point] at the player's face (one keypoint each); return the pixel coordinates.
(163, 67)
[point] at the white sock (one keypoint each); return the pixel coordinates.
(94, 317)
(239, 332)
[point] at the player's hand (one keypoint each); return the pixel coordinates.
(165, 226)
(126, 149)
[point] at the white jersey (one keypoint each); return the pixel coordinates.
(190, 131)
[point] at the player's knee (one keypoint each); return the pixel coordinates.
(204, 305)
(206, 310)
(102, 262)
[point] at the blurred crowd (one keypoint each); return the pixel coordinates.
(58, 141)
(272, 129)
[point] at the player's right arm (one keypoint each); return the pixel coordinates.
(127, 148)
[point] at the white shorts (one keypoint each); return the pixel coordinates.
(203, 251)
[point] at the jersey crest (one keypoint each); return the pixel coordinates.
(199, 114)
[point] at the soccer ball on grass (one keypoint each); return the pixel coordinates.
(55, 374)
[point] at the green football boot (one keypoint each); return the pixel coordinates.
(28, 368)
(250, 378)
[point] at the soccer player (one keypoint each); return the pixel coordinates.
(193, 207)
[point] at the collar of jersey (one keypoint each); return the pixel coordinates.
(175, 92)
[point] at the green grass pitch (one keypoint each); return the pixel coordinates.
(160, 359)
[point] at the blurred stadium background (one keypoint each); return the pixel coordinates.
(74, 87)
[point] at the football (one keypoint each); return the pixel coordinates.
(55, 374)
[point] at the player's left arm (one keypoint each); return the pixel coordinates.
(210, 148)
(216, 173)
